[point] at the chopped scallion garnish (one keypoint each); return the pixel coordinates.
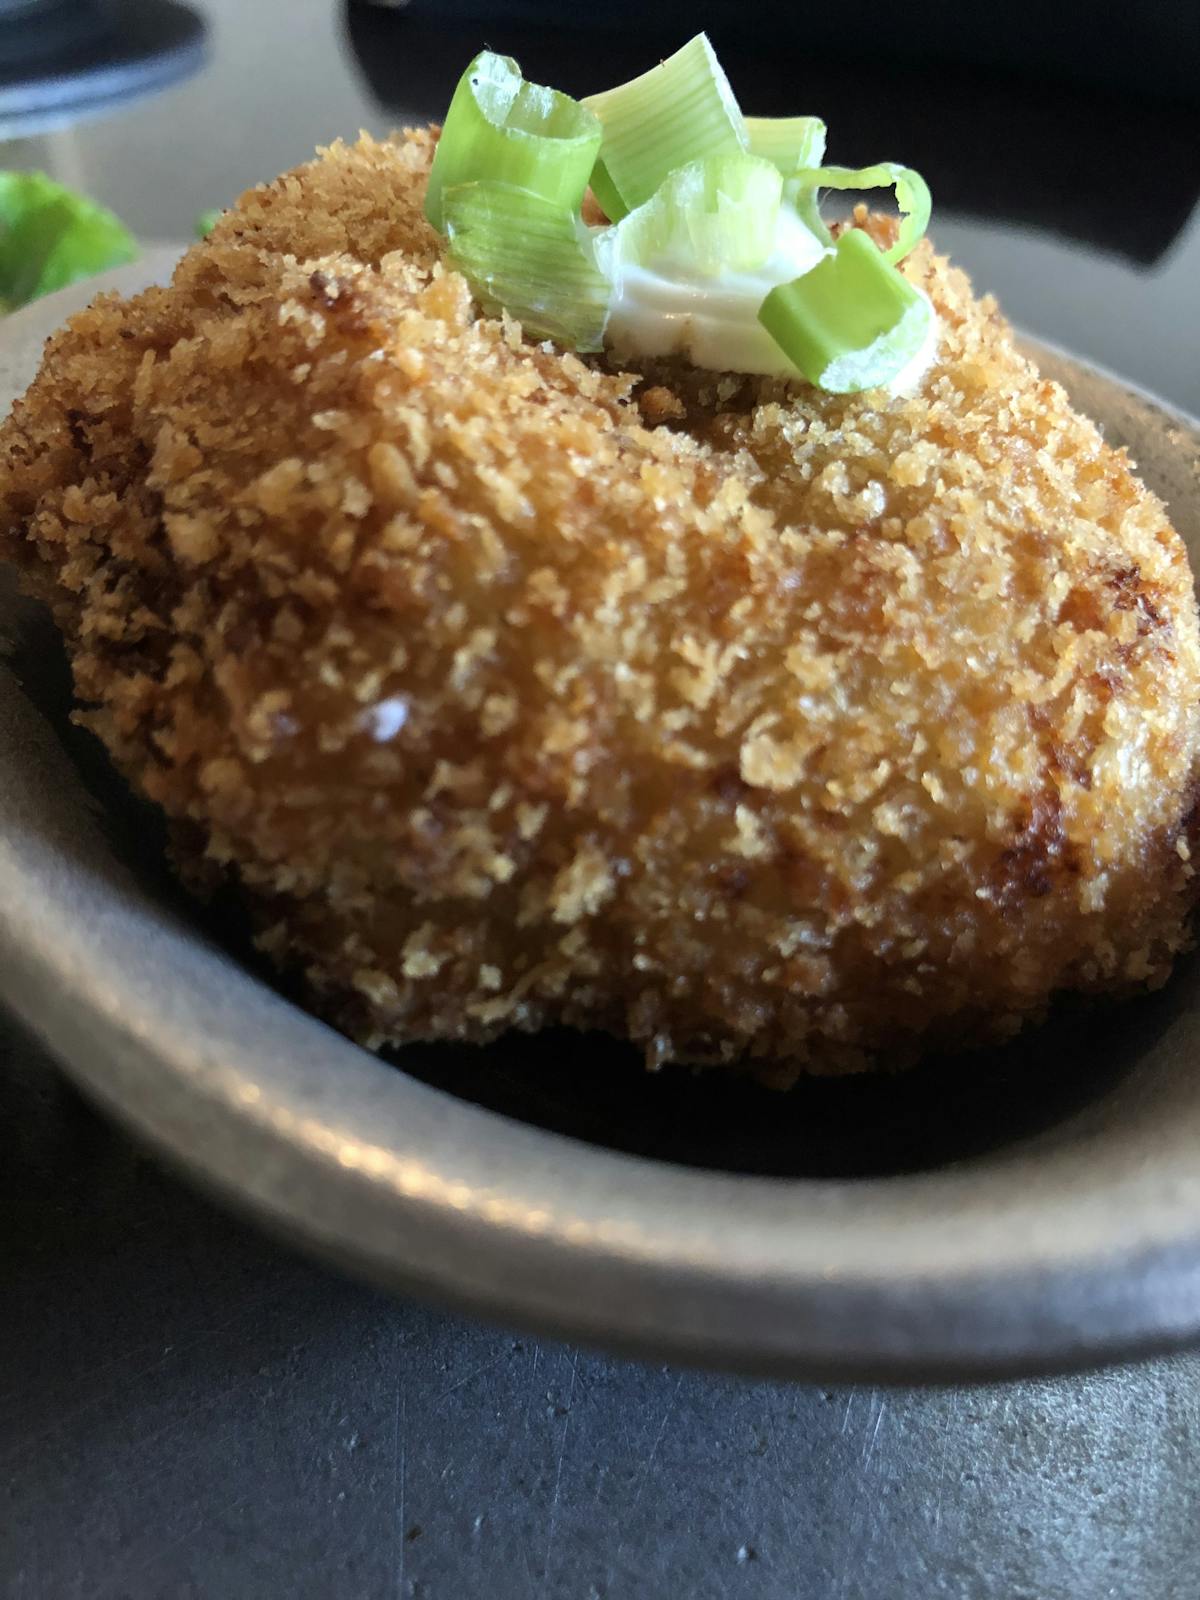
(709, 217)
(503, 130)
(529, 256)
(789, 143)
(912, 197)
(707, 210)
(852, 322)
(678, 112)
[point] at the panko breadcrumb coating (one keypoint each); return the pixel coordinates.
(754, 724)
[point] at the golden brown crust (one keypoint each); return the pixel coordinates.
(752, 724)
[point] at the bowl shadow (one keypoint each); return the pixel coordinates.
(946, 1110)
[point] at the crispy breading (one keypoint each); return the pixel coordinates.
(755, 724)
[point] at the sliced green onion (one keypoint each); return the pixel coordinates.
(500, 129)
(852, 322)
(206, 222)
(526, 255)
(50, 236)
(912, 197)
(709, 217)
(789, 143)
(679, 111)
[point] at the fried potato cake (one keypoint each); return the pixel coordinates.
(754, 724)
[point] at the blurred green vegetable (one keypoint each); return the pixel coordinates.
(50, 237)
(206, 222)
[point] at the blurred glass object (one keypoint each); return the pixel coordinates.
(1015, 125)
(1150, 46)
(62, 61)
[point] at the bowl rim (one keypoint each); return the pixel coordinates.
(1000, 1266)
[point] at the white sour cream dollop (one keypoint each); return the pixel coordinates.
(668, 309)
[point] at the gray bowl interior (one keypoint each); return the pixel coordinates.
(1028, 1207)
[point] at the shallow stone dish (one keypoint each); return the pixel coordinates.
(1035, 1207)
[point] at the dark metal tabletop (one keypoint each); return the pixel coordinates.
(187, 1408)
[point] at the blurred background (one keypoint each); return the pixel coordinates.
(1061, 142)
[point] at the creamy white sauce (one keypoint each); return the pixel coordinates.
(908, 379)
(671, 309)
(385, 718)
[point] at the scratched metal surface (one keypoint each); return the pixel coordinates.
(187, 1410)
